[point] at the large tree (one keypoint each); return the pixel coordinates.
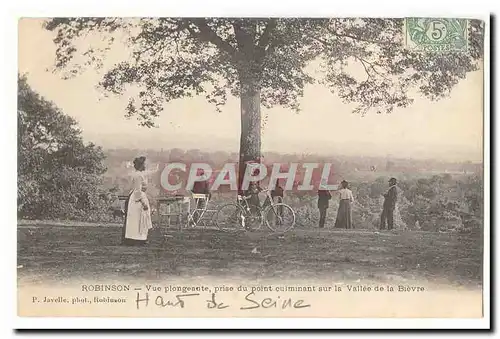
(263, 62)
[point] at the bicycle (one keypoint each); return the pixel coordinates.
(241, 215)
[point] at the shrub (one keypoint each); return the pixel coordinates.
(59, 176)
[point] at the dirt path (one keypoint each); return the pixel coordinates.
(62, 253)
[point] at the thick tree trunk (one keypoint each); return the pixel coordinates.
(250, 126)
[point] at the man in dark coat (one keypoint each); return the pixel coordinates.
(324, 197)
(390, 198)
(277, 192)
(201, 187)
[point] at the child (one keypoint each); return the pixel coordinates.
(277, 195)
(252, 195)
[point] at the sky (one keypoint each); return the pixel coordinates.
(449, 129)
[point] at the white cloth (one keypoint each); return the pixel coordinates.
(346, 193)
(138, 220)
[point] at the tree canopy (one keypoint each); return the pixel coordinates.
(263, 61)
(180, 57)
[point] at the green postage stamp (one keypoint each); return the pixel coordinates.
(436, 34)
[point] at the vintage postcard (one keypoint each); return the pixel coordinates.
(251, 167)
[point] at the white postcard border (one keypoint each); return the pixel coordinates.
(212, 8)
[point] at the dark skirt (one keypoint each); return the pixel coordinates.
(344, 217)
(126, 241)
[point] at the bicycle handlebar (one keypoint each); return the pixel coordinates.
(244, 197)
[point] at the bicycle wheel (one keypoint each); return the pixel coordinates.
(279, 217)
(230, 218)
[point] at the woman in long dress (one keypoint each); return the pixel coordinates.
(137, 210)
(344, 215)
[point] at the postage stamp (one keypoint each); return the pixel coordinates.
(437, 34)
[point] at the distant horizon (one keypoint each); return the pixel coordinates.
(298, 154)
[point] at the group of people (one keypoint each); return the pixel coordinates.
(344, 215)
(138, 212)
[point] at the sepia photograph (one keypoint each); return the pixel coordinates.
(251, 167)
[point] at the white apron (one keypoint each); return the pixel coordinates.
(138, 220)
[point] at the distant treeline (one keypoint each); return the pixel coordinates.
(117, 157)
(118, 162)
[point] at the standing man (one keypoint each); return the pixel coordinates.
(390, 198)
(324, 197)
(277, 192)
(201, 187)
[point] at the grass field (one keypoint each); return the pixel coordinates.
(60, 252)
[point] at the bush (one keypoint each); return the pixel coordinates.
(437, 204)
(59, 176)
